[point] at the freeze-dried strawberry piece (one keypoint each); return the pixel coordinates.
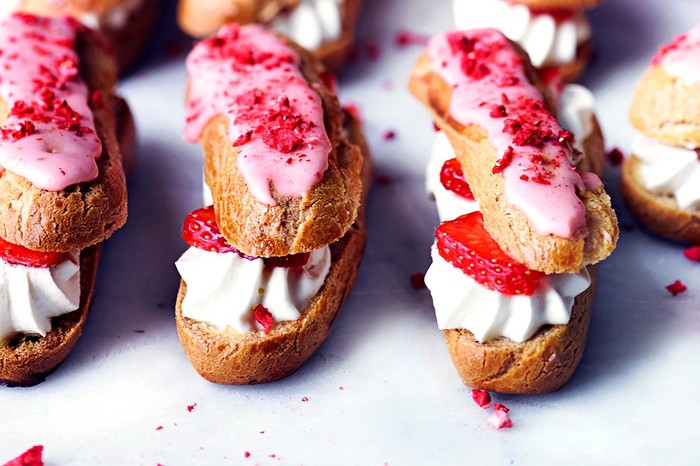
(19, 255)
(452, 178)
(465, 243)
(481, 397)
(500, 407)
(263, 317)
(202, 231)
(676, 288)
(390, 135)
(418, 281)
(499, 419)
(31, 457)
(693, 253)
(615, 156)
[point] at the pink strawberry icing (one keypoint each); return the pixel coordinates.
(682, 56)
(49, 136)
(490, 89)
(275, 118)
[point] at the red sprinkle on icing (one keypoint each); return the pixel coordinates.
(676, 288)
(404, 38)
(490, 89)
(692, 253)
(31, 457)
(418, 281)
(500, 420)
(481, 398)
(615, 157)
(49, 135)
(275, 117)
(452, 179)
(263, 317)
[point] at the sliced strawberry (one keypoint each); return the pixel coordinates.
(202, 231)
(452, 178)
(465, 243)
(296, 260)
(31, 457)
(16, 254)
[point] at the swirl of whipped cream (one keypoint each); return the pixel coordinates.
(31, 296)
(669, 170)
(546, 40)
(462, 303)
(312, 22)
(223, 288)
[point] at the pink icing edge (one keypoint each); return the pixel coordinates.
(51, 150)
(473, 100)
(218, 84)
(681, 56)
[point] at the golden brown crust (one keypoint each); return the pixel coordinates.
(554, 4)
(539, 365)
(256, 357)
(509, 227)
(667, 109)
(200, 19)
(594, 151)
(128, 37)
(82, 215)
(29, 359)
(125, 129)
(294, 225)
(659, 213)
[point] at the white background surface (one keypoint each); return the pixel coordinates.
(382, 389)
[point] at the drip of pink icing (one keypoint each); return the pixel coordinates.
(49, 137)
(276, 120)
(682, 56)
(490, 89)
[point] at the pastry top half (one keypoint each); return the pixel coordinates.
(666, 103)
(63, 186)
(284, 177)
(484, 95)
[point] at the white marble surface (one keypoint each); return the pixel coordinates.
(382, 389)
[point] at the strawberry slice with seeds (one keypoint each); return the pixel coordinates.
(452, 178)
(465, 243)
(202, 231)
(19, 255)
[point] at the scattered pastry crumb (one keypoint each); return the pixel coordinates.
(481, 398)
(190, 408)
(499, 420)
(404, 38)
(31, 457)
(418, 281)
(389, 135)
(693, 253)
(676, 288)
(615, 156)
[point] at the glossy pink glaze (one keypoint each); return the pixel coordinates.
(276, 119)
(490, 89)
(49, 136)
(682, 56)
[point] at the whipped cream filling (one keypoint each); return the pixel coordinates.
(669, 170)
(31, 296)
(462, 303)
(224, 288)
(546, 40)
(312, 22)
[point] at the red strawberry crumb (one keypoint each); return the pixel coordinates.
(418, 281)
(159, 428)
(389, 135)
(354, 111)
(263, 317)
(341, 388)
(500, 420)
(676, 288)
(304, 399)
(693, 253)
(436, 127)
(246, 454)
(615, 156)
(500, 407)
(481, 397)
(504, 161)
(404, 38)
(190, 408)
(31, 457)
(97, 98)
